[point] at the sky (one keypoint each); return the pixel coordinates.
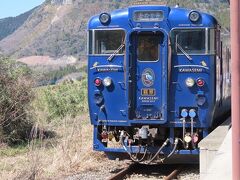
(15, 7)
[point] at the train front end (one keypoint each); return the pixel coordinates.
(151, 81)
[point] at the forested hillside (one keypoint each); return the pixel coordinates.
(10, 24)
(58, 27)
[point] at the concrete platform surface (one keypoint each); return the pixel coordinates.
(214, 140)
(210, 146)
(221, 167)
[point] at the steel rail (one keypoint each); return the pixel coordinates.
(134, 166)
(173, 174)
(122, 174)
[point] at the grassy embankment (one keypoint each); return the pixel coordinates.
(61, 137)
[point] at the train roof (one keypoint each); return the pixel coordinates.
(175, 18)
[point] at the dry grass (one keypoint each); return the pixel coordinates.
(67, 154)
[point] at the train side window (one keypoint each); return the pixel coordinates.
(108, 41)
(211, 42)
(218, 42)
(90, 40)
(148, 47)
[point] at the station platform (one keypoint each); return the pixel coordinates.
(216, 154)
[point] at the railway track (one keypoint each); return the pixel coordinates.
(166, 172)
(173, 174)
(123, 173)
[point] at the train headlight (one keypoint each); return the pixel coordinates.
(105, 18)
(189, 82)
(194, 16)
(184, 113)
(107, 81)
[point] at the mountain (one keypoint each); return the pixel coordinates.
(10, 24)
(58, 27)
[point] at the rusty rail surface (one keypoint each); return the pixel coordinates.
(122, 174)
(136, 167)
(173, 174)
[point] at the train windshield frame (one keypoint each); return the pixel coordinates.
(197, 41)
(106, 41)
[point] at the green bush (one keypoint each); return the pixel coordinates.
(59, 101)
(15, 98)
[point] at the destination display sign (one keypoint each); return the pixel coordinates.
(148, 16)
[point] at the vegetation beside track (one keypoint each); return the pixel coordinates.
(57, 137)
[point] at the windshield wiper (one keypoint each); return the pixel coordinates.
(184, 52)
(115, 52)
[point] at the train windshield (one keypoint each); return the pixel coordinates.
(148, 47)
(193, 41)
(108, 41)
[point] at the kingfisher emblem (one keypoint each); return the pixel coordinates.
(148, 77)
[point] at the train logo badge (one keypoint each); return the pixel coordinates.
(148, 77)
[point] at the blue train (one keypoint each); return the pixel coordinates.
(157, 81)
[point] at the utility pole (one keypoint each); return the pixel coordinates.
(235, 54)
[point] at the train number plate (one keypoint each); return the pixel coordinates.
(148, 92)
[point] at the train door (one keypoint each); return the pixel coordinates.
(145, 81)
